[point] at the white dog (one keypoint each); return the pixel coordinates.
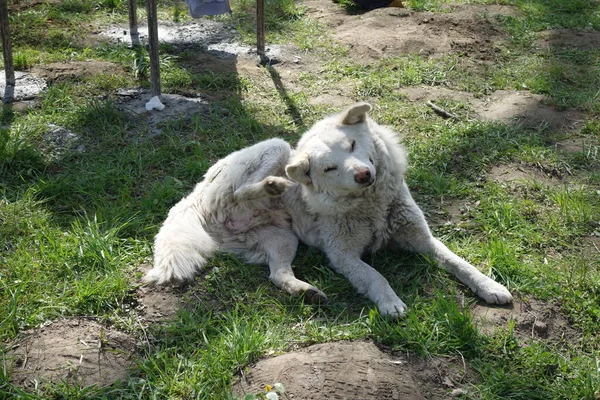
(349, 198)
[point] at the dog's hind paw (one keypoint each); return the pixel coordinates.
(494, 293)
(276, 185)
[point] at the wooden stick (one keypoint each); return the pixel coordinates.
(133, 24)
(441, 111)
(260, 28)
(153, 41)
(9, 69)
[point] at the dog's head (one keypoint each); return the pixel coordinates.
(336, 155)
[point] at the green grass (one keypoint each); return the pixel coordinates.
(74, 225)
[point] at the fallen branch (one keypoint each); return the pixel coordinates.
(441, 111)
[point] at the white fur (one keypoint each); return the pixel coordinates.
(349, 198)
(346, 219)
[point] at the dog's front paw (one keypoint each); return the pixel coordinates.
(394, 308)
(315, 296)
(494, 293)
(276, 185)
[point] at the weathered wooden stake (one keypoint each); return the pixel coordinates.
(153, 42)
(9, 69)
(133, 23)
(260, 28)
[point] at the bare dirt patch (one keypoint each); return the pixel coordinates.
(584, 145)
(568, 39)
(76, 70)
(522, 173)
(348, 370)
(387, 32)
(528, 110)
(533, 320)
(177, 106)
(157, 303)
(79, 351)
(519, 108)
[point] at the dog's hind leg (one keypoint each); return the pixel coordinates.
(271, 186)
(279, 245)
(412, 233)
(263, 175)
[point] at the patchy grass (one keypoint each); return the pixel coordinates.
(74, 226)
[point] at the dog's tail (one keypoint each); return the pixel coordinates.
(181, 247)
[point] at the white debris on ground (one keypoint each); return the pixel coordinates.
(58, 141)
(214, 37)
(154, 104)
(27, 86)
(202, 32)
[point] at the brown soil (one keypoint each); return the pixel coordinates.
(468, 30)
(157, 303)
(522, 173)
(79, 351)
(513, 107)
(533, 320)
(569, 39)
(350, 370)
(76, 70)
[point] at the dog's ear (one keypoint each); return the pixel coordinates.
(299, 169)
(355, 113)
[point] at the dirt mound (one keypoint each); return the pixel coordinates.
(507, 173)
(177, 106)
(79, 351)
(387, 32)
(76, 70)
(520, 108)
(157, 303)
(342, 370)
(528, 110)
(533, 319)
(567, 39)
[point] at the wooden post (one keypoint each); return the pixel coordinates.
(260, 28)
(9, 69)
(133, 23)
(153, 41)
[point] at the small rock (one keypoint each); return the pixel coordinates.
(457, 392)
(448, 382)
(540, 328)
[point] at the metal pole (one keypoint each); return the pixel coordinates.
(9, 69)
(260, 28)
(133, 23)
(153, 41)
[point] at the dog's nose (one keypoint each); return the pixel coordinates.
(362, 176)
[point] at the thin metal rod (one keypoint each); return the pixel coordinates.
(153, 41)
(260, 27)
(133, 23)
(9, 69)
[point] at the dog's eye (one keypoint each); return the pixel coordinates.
(329, 169)
(352, 146)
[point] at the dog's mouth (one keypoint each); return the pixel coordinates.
(368, 183)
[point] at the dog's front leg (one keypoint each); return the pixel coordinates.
(485, 287)
(367, 281)
(412, 233)
(279, 246)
